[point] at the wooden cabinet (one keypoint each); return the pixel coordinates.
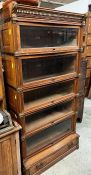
(10, 163)
(41, 57)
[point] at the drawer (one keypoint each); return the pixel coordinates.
(88, 73)
(31, 71)
(32, 144)
(39, 98)
(89, 25)
(88, 51)
(44, 38)
(87, 82)
(43, 160)
(89, 62)
(89, 40)
(42, 119)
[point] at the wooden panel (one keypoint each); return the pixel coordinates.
(89, 25)
(88, 40)
(88, 50)
(7, 39)
(6, 155)
(9, 160)
(89, 62)
(88, 73)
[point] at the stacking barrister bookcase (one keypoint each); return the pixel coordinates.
(41, 57)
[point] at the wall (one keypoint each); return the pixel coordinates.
(80, 6)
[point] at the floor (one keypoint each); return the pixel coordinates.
(79, 162)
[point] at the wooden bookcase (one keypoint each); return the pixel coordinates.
(41, 52)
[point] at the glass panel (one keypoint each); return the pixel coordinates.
(47, 136)
(42, 118)
(46, 36)
(46, 94)
(40, 68)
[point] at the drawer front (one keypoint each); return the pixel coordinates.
(50, 156)
(37, 99)
(88, 51)
(43, 38)
(89, 62)
(89, 25)
(15, 99)
(89, 40)
(88, 73)
(12, 71)
(7, 38)
(47, 137)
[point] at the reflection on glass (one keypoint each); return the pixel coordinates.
(43, 36)
(48, 93)
(49, 66)
(46, 116)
